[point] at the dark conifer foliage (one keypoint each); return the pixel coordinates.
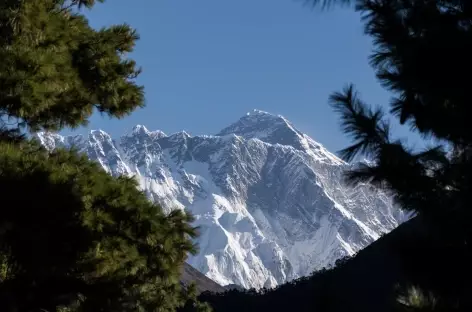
(55, 68)
(422, 54)
(72, 233)
(73, 238)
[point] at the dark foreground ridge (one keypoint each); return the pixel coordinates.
(368, 282)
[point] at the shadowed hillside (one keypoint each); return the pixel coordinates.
(202, 283)
(366, 282)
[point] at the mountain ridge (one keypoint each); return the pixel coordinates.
(269, 200)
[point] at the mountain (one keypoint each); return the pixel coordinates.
(269, 200)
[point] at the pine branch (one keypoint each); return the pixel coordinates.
(366, 126)
(408, 37)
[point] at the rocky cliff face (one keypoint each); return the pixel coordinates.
(268, 199)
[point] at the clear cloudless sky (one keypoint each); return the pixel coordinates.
(208, 62)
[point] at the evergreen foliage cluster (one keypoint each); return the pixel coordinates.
(74, 233)
(73, 238)
(422, 52)
(56, 69)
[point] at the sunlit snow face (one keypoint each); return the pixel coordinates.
(268, 199)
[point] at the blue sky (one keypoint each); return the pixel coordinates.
(208, 62)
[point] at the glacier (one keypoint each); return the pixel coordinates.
(269, 201)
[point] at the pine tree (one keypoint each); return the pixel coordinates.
(55, 68)
(73, 238)
(422, 54)
(70, 232)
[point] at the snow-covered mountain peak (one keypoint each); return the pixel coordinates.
(51, 140)
(181, 135)
(140, 130)
(266, 127)
(269, 200)
(276, 129)
(99, 135)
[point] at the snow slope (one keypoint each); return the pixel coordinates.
(268, 199)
